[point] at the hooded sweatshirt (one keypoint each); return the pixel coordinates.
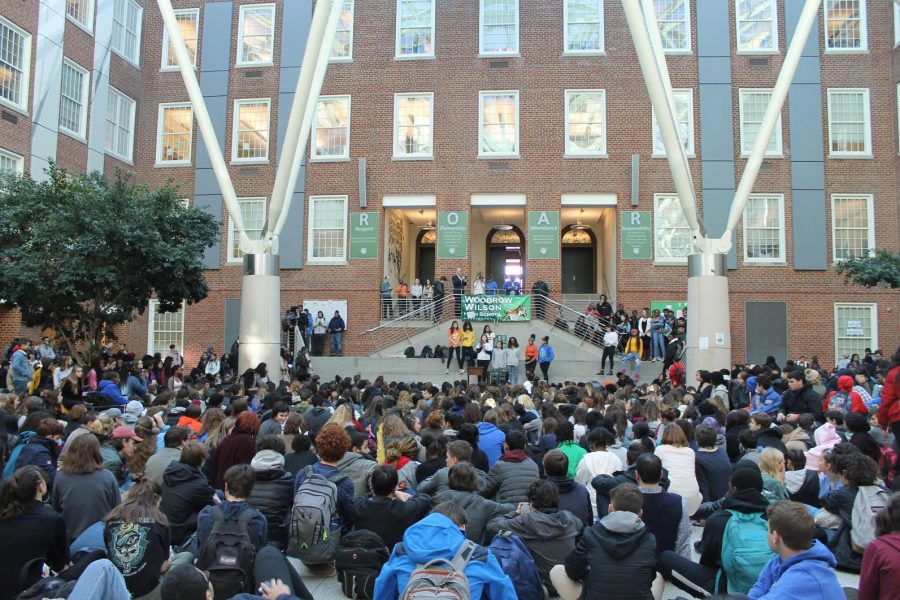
(550, 536)
(808, 575)
(880, 575)
(845, 385)
(185, 492)
(490, 441)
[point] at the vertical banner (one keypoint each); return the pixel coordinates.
(637, 235)
(543, 234)
(453, 234)
(364, 235)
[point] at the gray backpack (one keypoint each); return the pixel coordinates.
(441, 579)
(315, 526)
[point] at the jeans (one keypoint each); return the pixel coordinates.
(512, 371)
(632, 361)
(658, 342)
(100, 580)
(337, 342)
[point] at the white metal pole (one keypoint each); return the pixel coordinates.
(203, 121)
(773, 111)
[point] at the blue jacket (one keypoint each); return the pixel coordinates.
(135, 386)
(20, 366)
(41, 452)
(545, 353)
(808, 575)
(110, 390)
(490, 441)
(434, 537)
(769, 403)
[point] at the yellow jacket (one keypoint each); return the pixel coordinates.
(634, 344)
(468, 338)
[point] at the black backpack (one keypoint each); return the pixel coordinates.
(228, 554)
(358, 561)
(439, 352)
(426, 352)
(410, 352)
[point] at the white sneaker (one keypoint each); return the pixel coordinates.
(461, 371)
(447, 372)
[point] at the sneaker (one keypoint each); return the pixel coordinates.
(609, 372)
(446, 371)
(461, 371)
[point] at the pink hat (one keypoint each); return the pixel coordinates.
(124, 432)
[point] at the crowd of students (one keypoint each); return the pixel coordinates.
(577, 490)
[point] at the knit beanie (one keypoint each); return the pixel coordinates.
(267, 460)
(747, 476)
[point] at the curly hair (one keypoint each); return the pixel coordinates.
(332, 442)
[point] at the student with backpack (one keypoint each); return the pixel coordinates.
(880, 575)
(389, 512)
(844, 399)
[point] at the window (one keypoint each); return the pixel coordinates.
(15, 59)
(331, 128)
(499, 27)
(189, 24)
(674, 18)
(250, 133)
(256, 34)
(81, 12)
(327, 229)
(583, 31)
(672, 234)
(11, 163)
(852, 226)
(684, 119)
(896, 25)
(342, 49)
(126, 30)
(757, 26)
(753, 104)
(173, 134)
(849, 125)
(413, 125)
(73, 99)
(119, 125)
(164, 329)
(764, 229)
(855, 328)
(845, 25)
(415, 28)
(253, 212)
(498, 124)
(585, 122)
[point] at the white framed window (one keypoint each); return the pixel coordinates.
(585, 122)
(174, 134)
(73, 99)
(414, 125)
(764, 229)
(126, 30)
(849, 123)
(498, 124)
(342, 48)
(498, 27)
(684, 119)
(164, 329)
(256, 35)
(674, 18)
(415, 28)
(253, 212)
(189, 24)
(81, 12)
(896, 25)
(673, 241)
(327, 229)
(852, 226)
(119, 125)
(752, 107)
(845, 26)
(11, 162)
(15, 63)
(757, 26)
(855, 328)
(250, 130)
(583, 27)
(331, 129)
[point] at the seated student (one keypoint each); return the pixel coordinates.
(174, 439)
(185, 492)
(747, 439)
(713, 466)
(765, 399)
(803, 567)
(767, 436)
(598, 461)
(357, 463)
(463, 493)
(773, 466)
(699, 579)
(548, 531)
(509, 478)
(457, 451)
(302, 455)
(615, 558)
(239, 482)
(573, 496)
(604, 484)
(441, 535)
(332, 443)
(275, 424)
(858, 429)
(880, 574)
(665, 514)
(388, 512)
(273, 492)
(856, 471)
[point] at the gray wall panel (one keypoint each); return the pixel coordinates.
(711, 16)
(805, 123)
(216, 39)
(212, 205)
(809, 232)
(807, 176)
(716, 206)
(766, 331)
(716, 141)
(217, 106)
(715, 69)
(232, 322)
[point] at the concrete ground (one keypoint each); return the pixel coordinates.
(329, 588)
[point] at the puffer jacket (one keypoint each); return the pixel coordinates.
(889, 411)
(185, 492)
(273, 496)
(509, 478)
(478, 510)
(358, 468)
(804, 401)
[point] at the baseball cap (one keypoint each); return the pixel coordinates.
(113, 413)
(125, 432)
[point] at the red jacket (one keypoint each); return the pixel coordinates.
(889, 412)
(845, 384)
(879, 578)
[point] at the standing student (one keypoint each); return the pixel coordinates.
(610, 342)
(634, 347)
(483, 353)
(531, 356)
(454, 344)
(512, 360)
(319, 327)
(468, 343)
(459, 287)
(545, 356)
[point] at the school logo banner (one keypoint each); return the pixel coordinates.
(496, 308)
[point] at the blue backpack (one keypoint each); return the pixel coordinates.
(10, 467)
(745, 551)
(516, 561)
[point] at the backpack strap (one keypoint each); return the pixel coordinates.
(463, 555)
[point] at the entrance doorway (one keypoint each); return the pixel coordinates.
(579, 258)
(505, 256)
(425, 245)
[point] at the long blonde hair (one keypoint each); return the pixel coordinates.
(771, 460)
(343, 415)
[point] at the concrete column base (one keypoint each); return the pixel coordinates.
(709, 324)
(260, 331)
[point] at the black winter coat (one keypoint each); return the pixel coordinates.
(273, 495)
(185, 492)
(389, 517)
(804, 401)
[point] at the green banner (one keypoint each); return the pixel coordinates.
(543, 234)
(496, 308)
(637, 235)
(364, 235)
(678, 307)
(453, 234)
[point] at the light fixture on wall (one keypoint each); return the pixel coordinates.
(579, 226)
(502, 226)
(429, 224)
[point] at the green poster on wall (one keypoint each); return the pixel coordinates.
(496, 308)
(676, 307)
(637, 235)
(543, 234)
(453, 234)
(363, 235)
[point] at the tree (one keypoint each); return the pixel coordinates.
(79, 252)
(882, 268)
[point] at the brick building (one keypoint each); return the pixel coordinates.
(487, 113)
